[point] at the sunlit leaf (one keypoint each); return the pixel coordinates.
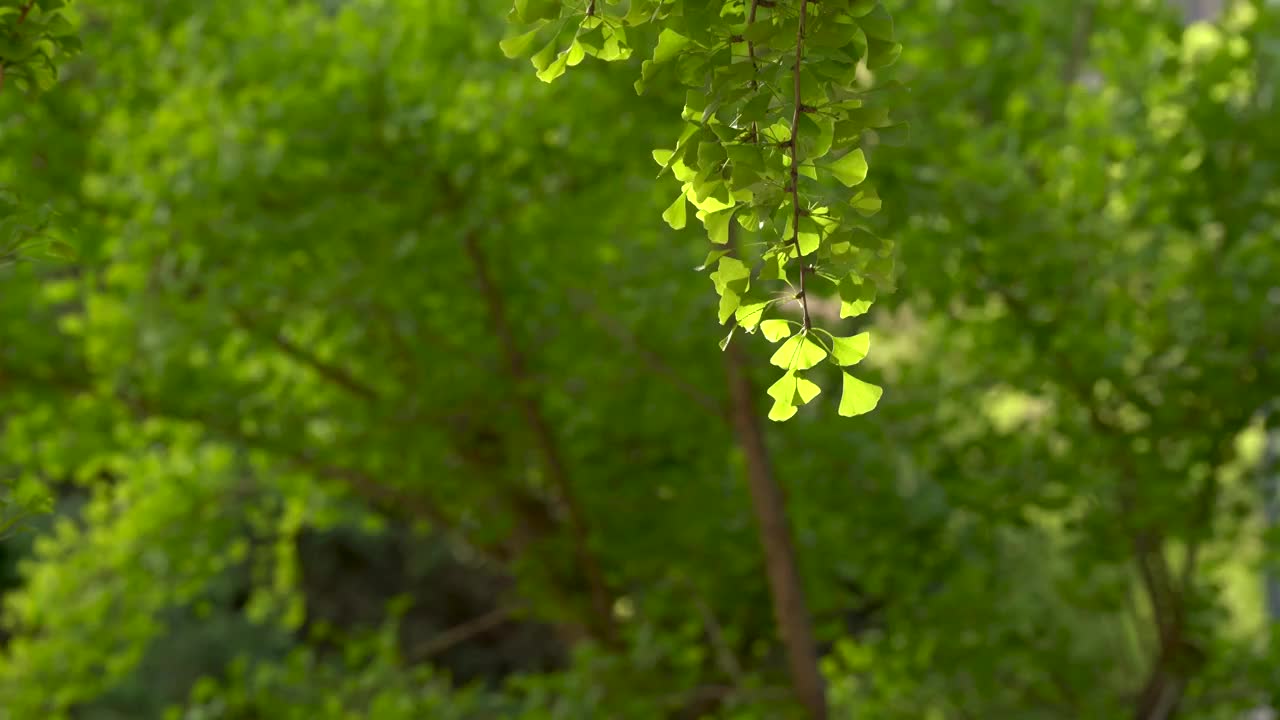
(858, 397)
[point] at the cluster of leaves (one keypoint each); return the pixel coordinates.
(779, 99)
(30, 232)
(35, 38)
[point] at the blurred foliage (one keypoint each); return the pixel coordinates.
(294, 471)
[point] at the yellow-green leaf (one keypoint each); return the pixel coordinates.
(858, 397)
(717, 224)
(850, 169)
(677, 214)
(848, 351)
(514, 47)
(798, 353)
(775, 330)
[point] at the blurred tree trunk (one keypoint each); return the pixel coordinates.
(791, 612)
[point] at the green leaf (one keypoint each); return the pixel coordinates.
(514, 47)
(729, 301)
(808, 242)
(557, 66)
(670, 44)
(544, 57)
(866, 202)
(717, 225)
(730, 270)
(782, 410)
(677, 214)
(858, 397)
(858, 8)
(712, 256)
(61, 250)
(775, 330)
(528, 11)
(856, 296)
(789, 391)
(748, 315)
(760, 31)
(848, 351)
(850, 169)
(798, 353)
(575, 54)
(895, 135)
(882, 54)
(877, 24)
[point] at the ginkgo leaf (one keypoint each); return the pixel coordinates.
(858, 397)
(711, 257)
(782, 411)
(514, 47)
(808, 242)
(850, 169)
(798, 353)
(575, 54)
(775, 330)
(806, 390)
(856, 296)
(717, 225)
(670, 43)
(729, 301)
(848, 351)
(731, 271)
(676, 215)
(533, 10)
(788, 392)
(748, 316)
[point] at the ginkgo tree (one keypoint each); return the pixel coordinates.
(780, 99)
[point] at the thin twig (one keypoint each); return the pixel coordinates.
(795, 166)
(459, 634)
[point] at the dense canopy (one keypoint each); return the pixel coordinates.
(354, 366)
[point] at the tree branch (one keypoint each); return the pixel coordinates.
(795, 166)
(548, 446)
(329, 371)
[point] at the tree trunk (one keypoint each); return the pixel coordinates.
(789, 608)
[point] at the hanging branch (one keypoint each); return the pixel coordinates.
(734, 165)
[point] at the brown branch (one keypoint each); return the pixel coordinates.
(459, 634)
(751, 53)
(790, 609)
(548, 446)
(795, 166)
(329, 371)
